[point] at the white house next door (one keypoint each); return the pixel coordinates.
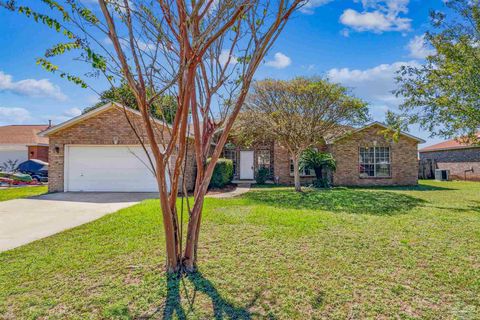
(246, 165)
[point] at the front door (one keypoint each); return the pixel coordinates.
(246, 165)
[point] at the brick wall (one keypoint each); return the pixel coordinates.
(457, 161)
(101, 129)
(282, 166)
(38, 152)
(403, 158)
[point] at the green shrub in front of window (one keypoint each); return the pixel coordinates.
(261, 175)
(320, 162)
(222, 174)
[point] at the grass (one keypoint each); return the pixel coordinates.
(404, 253)
(21, 192)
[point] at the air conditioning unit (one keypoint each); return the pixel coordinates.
(442, 175)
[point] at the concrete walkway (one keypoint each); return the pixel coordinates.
(26, 220)
(239, 190)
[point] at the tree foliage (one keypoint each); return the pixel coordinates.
(443, 94)
(163, 108)
(297, 114)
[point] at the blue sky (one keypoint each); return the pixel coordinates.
(359, 43)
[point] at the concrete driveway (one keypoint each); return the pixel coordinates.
(26, 220)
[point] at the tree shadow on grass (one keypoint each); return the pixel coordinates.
(222, 309)
(354, 201)
(419, 187)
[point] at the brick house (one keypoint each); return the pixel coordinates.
(364, 158)
(98, 151)
(22, 142)
(462, 159)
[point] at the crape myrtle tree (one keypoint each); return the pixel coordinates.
(443, 94)
(297, 114)
(202, 52)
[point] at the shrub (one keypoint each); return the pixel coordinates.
(262, 175)
(222, 174)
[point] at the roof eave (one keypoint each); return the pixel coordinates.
(92, 113)
(381, 125)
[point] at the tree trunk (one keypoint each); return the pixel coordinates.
(296, 172)
(171, 231)
(193, 230)
(318, 173)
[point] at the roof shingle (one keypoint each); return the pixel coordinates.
(22, 134)
(449, 144)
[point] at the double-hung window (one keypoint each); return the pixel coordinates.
(375, 162)
(263, 159)
(231, 153)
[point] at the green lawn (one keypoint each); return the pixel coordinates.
(404, 253)
(21, 192)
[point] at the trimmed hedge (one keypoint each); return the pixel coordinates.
(222, 174)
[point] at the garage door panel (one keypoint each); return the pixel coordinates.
(108, 168)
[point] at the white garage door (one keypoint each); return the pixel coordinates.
(108, 168)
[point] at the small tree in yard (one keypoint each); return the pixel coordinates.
(204, 53)
(297, 114)
(318, 161)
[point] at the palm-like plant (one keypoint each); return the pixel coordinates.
(316, 160)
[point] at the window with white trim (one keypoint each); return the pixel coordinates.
(375, 162)
(303, 173)
(263, 158)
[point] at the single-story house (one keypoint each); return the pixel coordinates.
(364, 157)
(462, 159)
(98, 151)
(22, 142)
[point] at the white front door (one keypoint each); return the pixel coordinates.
(246, 165)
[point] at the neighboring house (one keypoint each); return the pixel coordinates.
(364, 157)
(99, 151)
(462, 159)
(22, 142)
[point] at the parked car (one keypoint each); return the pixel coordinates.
(37, 169)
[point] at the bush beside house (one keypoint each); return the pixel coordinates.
(222, 174)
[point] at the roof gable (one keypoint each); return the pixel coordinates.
(379, 124)
(93, 113)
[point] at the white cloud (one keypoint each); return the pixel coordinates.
(64, 116)
(73, 112)
(378, 16)
(224, 55)
(309, 6)
(374, 85)
(279, 61)
(14, 115)
(418, 48)
(42, 88)
(144, 46)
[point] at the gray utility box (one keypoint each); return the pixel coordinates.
(442, 175)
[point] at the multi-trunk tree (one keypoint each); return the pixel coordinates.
(203, 52)
(297, 114)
